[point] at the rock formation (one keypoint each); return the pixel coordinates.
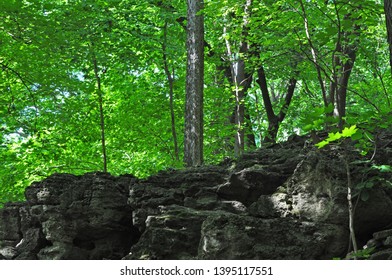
(286, 201)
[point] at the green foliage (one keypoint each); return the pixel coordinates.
(347, 132)
(317, 118)
(362, 254)
(383, 168)
(372, 175)
(49, 113)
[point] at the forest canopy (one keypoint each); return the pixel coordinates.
(100, 85)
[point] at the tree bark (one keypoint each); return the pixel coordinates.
(388, 21)
(241, 81)
(342, 68)
(341, 93)
(241, 85)
(193, 141)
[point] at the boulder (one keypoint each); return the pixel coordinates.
(71, 217)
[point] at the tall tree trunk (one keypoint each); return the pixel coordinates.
(388, 17)
(170, 80)
(314, 54)
(193, 142)
(341, 91)
(241, 85)
(100, 102)
(346, 49)
(241, 81)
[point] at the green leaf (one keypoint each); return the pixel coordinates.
(365, 185)
(334, 136)
(383, 168)
(357, 135)
(322, 144)
(349, 131)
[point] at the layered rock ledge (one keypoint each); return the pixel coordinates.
(287, 201)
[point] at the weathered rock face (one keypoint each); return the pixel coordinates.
(70, 217)
(283, 202)
(380, 246)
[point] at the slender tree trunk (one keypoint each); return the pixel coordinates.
(241, 82)
(193, 142)
(170, 80)
(341, 93)
(388, 17)
(238, 77)
(251, 138)
(101, 114)
(272, 118)
(314, 54)
(259, 116)
(342, 68)
(241, 85)
(351, 210)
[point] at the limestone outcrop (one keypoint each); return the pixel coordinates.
(285, 201)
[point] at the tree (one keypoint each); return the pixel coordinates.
(241, 79)
(97, 75)
(345, 21)
(170, 80)
(388, 21)
(274, 120)
(193, 140)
